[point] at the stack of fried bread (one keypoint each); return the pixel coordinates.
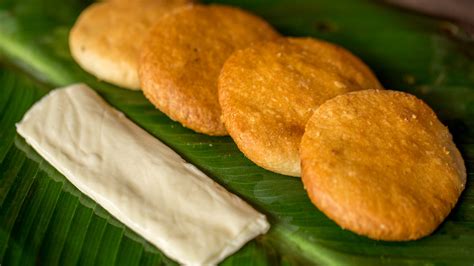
(377, 162)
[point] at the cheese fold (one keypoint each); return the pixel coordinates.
(138, 179)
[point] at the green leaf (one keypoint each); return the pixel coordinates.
(44, 219)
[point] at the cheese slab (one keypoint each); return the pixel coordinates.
(138, 179)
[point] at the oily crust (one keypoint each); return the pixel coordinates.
(107, 37)
(182, 58)
(268, 92)
(380, 163)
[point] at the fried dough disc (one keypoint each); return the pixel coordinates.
(107, 37)
(269, 91)
(181, 61)
(381, 164)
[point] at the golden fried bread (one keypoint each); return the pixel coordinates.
(182, 58)
(107, 37)
(268, 92)
(381, 164)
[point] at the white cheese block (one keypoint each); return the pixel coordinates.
(138, 179)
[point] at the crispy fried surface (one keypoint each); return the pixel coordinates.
(107, 37)
(381, 164)
(183, 56)
(269, 91)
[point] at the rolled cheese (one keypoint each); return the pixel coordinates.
(138, 179)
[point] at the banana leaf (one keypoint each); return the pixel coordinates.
(45, 220)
